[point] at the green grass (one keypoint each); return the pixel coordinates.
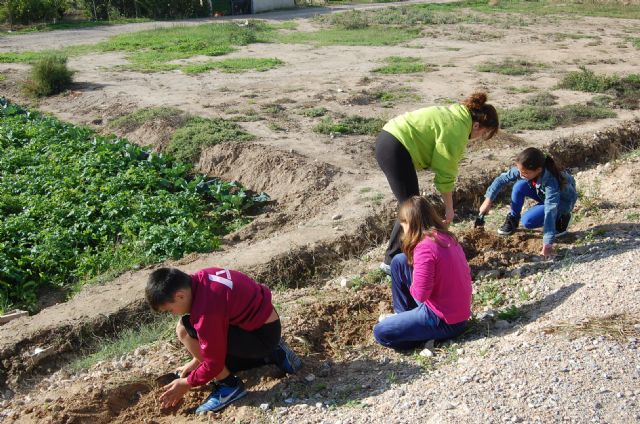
(152, 50)
(389, 97)
(404, 65)
(42, 27)
(112, 348)
(314, 112)
(134, 120)
(635, 41)
(354, 125)
(3, 77)
(542, 99)
(624, 91)
(233, 65)
(188, 141)
(370, 36)
(547, 118)
(520, 90)
(510, 67)
(489, 293)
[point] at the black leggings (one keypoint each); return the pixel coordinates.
(396, 163)
(246, 349)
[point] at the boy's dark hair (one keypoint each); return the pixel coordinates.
(532, 158)
(163, 284)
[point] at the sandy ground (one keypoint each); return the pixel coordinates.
(331, 202)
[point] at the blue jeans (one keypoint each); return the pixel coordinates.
(534, 216)
(413, 323)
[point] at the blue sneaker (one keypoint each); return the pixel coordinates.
(221, 397)
(286, 359)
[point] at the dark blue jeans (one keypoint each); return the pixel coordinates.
(413, 324)
(534, 216)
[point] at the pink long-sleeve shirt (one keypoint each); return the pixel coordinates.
(223, 297)
(442, 278)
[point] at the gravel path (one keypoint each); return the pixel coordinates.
(522, 374)
(73, 37)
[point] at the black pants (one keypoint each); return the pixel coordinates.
(246, 349)
(395, 162)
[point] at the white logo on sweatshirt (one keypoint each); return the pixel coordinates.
(223, 277)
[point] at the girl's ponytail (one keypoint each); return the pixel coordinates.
(551, 166)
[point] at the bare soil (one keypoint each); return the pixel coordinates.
(331, 208)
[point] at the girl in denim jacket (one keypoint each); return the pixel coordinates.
(538, 177)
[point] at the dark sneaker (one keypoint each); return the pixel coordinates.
(221, 397)
(562, 224)
(286, 359)
(510, 226)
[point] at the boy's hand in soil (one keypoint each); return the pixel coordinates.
(188, 367)
(174, 392)
(548, 251)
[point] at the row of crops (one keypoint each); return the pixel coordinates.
(76, 205)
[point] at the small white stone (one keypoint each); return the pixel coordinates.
(310, 378)
(264, 406)
(319, 405)
(345, 283)
(426, 353)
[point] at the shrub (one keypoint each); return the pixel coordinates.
(28, 11)
(587, 80)
(546, 118)
(49, 75)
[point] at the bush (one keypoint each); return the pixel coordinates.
(49, 75)
(28, 11)
(157, 9)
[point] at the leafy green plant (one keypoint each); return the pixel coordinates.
(511, 313)
(188, 140)
(355, 125)
(49, 75)
(404, 65)
(76, 204)
(510, 67)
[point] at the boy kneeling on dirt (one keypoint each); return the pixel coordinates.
(228, 324)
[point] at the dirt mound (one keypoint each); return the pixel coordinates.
(486, 250)
(329, 328)
(290, 179)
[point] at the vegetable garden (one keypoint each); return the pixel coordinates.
(77, 205)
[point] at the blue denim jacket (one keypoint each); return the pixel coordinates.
(548, 189)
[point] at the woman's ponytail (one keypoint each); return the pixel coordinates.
(482, 112)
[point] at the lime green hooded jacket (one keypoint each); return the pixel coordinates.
(435, 137)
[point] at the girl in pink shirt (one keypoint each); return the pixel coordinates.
(430, 282)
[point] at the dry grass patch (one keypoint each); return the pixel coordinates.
(618, 327)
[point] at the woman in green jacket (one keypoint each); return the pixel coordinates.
(430, 138)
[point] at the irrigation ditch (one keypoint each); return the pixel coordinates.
(35, 346)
